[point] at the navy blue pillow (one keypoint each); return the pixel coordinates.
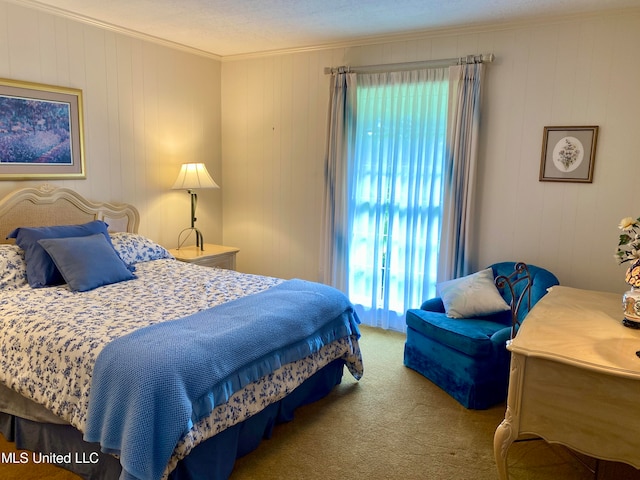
(41, 270)
(86, 262)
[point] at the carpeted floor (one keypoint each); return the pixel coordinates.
(396, 424)
(393, 424)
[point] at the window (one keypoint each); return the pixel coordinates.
(396, 192)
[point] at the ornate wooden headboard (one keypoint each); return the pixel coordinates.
(47, 205)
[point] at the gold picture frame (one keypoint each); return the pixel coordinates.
(568, 154)
(41, 132)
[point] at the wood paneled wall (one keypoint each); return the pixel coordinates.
(260, 126)
(147, 109)
(569, 71)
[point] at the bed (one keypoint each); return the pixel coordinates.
(144, 367)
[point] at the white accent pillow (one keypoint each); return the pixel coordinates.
(475, 295)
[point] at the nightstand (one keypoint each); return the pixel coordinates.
(212, 255)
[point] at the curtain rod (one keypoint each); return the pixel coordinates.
(446, 62)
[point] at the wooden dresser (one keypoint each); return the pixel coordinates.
(575, 378)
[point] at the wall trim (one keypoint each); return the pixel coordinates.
(357, 42)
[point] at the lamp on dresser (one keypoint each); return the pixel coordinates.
(193, 176)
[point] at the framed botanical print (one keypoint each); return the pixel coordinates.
(568, 154)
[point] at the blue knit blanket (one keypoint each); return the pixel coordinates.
(149, 387)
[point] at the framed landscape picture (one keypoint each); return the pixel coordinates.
(41, 132)
(568, 154)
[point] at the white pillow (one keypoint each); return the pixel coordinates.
(471, 296)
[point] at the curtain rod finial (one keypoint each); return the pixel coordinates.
(488, 57)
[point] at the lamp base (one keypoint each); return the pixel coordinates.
(190, 230)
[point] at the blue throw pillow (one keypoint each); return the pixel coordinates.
(41, 270)
(86, 262)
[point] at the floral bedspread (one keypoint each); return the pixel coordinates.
(50, 338)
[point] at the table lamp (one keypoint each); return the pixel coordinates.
(193, 176)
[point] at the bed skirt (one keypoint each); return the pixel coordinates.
(212, 460)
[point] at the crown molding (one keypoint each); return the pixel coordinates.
(347, 43)
(113, 28)
(479, 28)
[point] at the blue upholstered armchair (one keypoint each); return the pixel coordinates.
(467, 357)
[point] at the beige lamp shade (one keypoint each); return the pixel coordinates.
(193, 176)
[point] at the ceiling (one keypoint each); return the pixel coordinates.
(240, 27)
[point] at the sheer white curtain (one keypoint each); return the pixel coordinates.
(399, 190)
(395, 193)
(460, 170)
